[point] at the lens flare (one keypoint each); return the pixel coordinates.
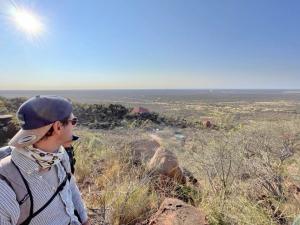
(27, 21)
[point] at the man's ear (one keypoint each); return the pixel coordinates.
(57, 127)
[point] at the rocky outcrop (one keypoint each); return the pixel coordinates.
(139, 110)
(165, 163)
(143, 150)
(175, 212)
(109, 116)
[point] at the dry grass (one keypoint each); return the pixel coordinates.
(110, 182)
(235, 187)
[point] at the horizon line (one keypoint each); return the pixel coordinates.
(132, 89)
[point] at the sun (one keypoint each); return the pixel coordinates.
(27, 21)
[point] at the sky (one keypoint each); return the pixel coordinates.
(152, 44)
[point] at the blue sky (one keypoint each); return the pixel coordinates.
(161, 44)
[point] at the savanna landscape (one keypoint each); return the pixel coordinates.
(188, 112)
(197, 157)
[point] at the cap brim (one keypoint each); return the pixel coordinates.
(28, 137)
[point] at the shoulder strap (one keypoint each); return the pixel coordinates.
(72, 160)
(5, 151)
(59, 189)
(29, 193)
(68, 174)
(14, 178)
(11, 174)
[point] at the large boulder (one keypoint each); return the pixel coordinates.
(165, 163)
(176, 212)
(143, 150)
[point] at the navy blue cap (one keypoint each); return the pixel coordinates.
(43, 110)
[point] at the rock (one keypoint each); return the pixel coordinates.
(207, 123)
(139, 110)
(175, 212)
(143, 150)
(165, 162)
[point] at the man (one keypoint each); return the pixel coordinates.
(47, 123)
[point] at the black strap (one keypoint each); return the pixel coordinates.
(77, 214)
(72, 160)
(59, 189)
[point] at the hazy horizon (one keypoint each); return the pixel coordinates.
(161, 95)
(158, 89)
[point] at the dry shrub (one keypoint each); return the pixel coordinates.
(116, 188)
(237, 210)
(245, 164)
(235, 168)
(217, 156)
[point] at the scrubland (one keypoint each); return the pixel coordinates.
(248, 169)
(245, 169)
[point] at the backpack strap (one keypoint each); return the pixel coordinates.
(59, 189)
(10, 174)
(29, 193)
(5, 151)
(72, 160)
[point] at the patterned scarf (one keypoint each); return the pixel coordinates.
(44, 159)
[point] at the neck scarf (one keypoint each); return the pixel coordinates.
(44, 159)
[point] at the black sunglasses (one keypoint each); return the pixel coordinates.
(73, 121)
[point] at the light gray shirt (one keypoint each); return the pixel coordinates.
(43, 185)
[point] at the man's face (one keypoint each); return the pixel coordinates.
(67, 132)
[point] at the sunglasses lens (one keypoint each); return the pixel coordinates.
(74, 121)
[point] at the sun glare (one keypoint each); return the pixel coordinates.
(27, 21)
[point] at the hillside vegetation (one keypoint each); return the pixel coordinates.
(246, 171)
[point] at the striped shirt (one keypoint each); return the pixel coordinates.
(43, 185)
